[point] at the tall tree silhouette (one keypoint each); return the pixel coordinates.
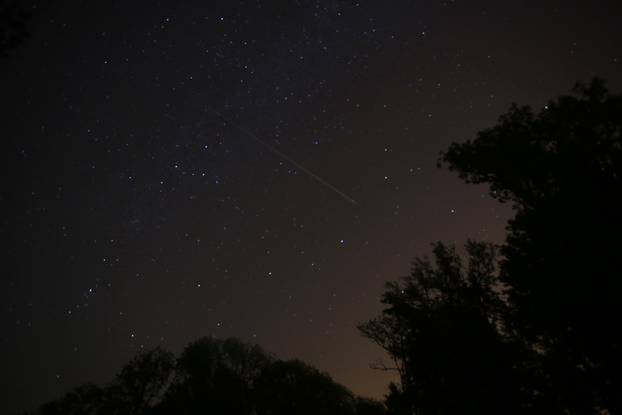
(441, 327)
(215, 376)
(142, 381)
(561, 169)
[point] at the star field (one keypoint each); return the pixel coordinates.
(139, 213)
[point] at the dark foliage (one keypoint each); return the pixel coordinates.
(293, 387)
(540, 334)
(12, 25)
(142, 381)
(15, 21)
(214, 376)
(562, 170)
(441, 326)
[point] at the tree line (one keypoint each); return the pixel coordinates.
(213, 376)
(528, 327)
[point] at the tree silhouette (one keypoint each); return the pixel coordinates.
(142, 381)
(441, 326)
(12, 25)
(366, 406)
(87, 399)
(293, 387)
(214, 376)
(15, 21)
(562, 171)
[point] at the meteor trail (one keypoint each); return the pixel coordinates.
(284, 156)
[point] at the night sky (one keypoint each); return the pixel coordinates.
(255, 169)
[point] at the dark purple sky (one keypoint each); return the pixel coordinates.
(136, 217)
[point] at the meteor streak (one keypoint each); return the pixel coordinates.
(284, 156)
